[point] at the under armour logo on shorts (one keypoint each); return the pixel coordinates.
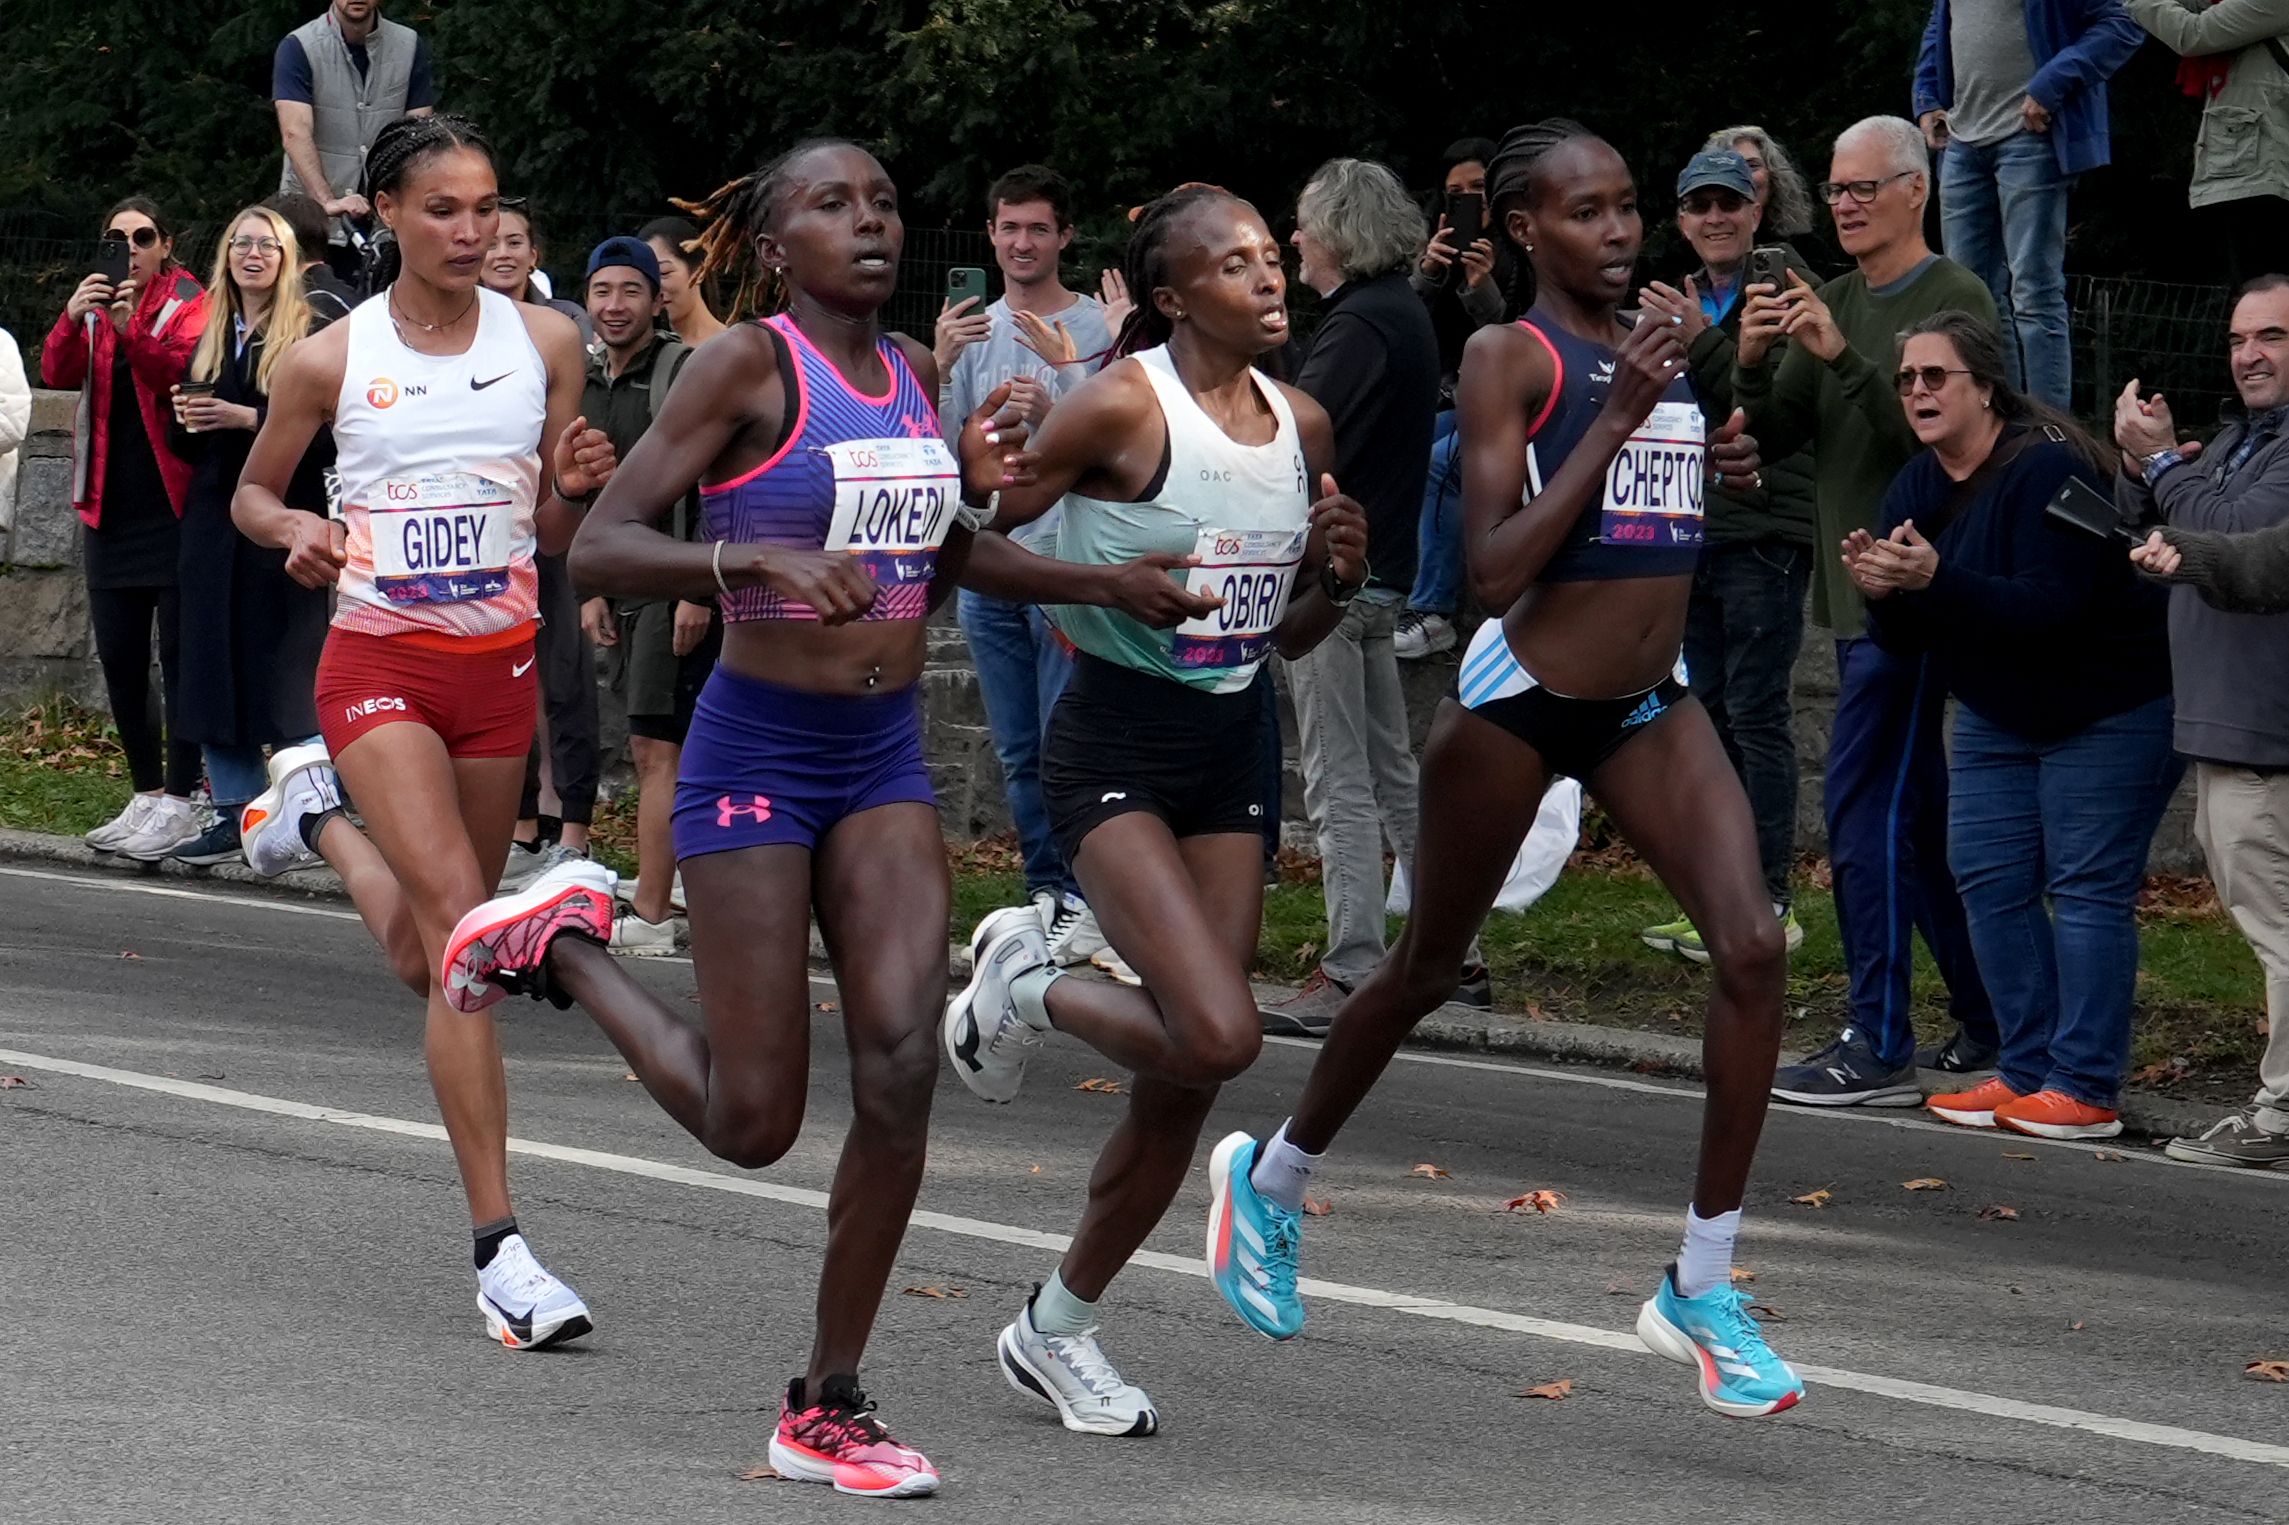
(726, 812)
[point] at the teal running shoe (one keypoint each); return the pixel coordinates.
(1252, 1244)
(1715, 1332)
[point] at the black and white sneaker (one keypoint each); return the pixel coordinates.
(1847, 1074)
(985, 1037)
(1070, 1372)
(219, 843)
(1960, 1055)
(525, 1307)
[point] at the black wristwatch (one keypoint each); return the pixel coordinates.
(1337, 593)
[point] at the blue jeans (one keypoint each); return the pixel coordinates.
(1743, 626)
(2068, 820)
(1887, 847)
(2002, 212)
(1021, 671)
(1438, 537)
(235, 775)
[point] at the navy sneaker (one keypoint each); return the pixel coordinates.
(1847, 1074)
(1960, 1055)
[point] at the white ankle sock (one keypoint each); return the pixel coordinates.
(1282, 1171)
(1029, 993)
(1057, 1311)
(1706, 1260)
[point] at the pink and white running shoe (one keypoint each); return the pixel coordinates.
(836, 1439)
(498, 947)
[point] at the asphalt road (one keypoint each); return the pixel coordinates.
(234, 1285)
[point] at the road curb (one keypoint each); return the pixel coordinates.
(1451, 1029)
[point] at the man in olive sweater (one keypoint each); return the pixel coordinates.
(1887, 772)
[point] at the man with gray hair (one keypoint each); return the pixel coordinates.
(1886, 786)
(1374, 365)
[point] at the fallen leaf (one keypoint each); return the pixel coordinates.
(1036, 1170)
(1306, 952)
(16, 1083)
(2015, 1290)
(1317, 1207)
(2163, 1072)
(941, 1293)
(1741, 1274)
(1554, 1391)
(2075, 1327)
(2108, 1156)
(127, 953)
(2267, 1371)
(760, 1475)
(1429, 1173)
(1767, 1310)
(1543, 1201)
(1100, 1085)
(828, 1006)
(2010, 1156)
(1818, 1197)
(1998, 1213)
(631, 1075)
(1619, 1289)
(1925, 1183)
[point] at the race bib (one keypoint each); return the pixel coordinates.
(1252, 571)
(442, 539)
(894, 504)
(1653, 489)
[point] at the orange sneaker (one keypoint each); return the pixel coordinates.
(1974, 1108)
(2054, 1114)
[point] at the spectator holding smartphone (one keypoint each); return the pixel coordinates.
(250, 669)
(2061, 762)
(122, 344)
(1745, 621)
(2236, 63)
(2013, 94)
(1457, 279)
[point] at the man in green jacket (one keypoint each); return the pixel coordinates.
(1886, 785)
(2237, 65)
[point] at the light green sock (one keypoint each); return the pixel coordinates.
(1057, 1311)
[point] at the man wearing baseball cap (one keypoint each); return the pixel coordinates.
(1745, 620)
(661, 648)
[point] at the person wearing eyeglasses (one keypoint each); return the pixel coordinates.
(121, 348)
(1886, 778)
(2012, 95)
(2058, 656)
(254, 635)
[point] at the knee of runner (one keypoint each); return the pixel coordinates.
(1222, 1053)
(1752, 956)
(755, 1141)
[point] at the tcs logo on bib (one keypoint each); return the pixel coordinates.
(381, 392)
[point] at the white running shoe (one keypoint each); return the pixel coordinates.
(130, 820)
(1071, 1372)
(500, 945)
(169, 824)
(1116, 966)
(988, 1041)
(1048, 905)
(625, 892)
(1417, 634)
(637, 938)
(302, 785)
(525, 1307)
(1074, 937)
(523, 869)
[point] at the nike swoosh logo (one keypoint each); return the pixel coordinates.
(478, 386)
(521, 1327)
(521, 668)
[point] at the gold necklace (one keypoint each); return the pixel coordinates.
(396, 315)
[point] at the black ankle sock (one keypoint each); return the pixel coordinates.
(489, 1237)
(315, 825)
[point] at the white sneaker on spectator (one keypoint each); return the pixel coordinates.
(137, 815)
(1418, 634)
(635, 937)
(170, 823)
(625, 890)
(525, 867)
(1048, 905)
(1116, 966)
(1074, 937)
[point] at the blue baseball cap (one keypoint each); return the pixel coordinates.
(1719, 169)
(636, 255)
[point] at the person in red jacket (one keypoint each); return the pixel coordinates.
(122, 348)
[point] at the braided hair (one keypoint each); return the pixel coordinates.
(1510, 185)
(397, 148)
(1145, 265)
(735, 215)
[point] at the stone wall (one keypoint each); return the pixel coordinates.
(45, 648)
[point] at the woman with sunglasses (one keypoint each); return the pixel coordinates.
(1585, 458)
(249, 671)
(121, 347)
(2058, 656)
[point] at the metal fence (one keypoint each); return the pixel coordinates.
(2170, 336)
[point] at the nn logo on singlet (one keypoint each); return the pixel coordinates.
(381, 392)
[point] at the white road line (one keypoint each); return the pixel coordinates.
(1674, 1091)
(2231, 1447)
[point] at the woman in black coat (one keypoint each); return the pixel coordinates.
(251, 634)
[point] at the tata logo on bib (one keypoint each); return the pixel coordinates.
(381, 392)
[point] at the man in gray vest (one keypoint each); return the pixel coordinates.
(336, 82)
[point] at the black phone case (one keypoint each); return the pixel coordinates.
(2077, 504)
(112, 260)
